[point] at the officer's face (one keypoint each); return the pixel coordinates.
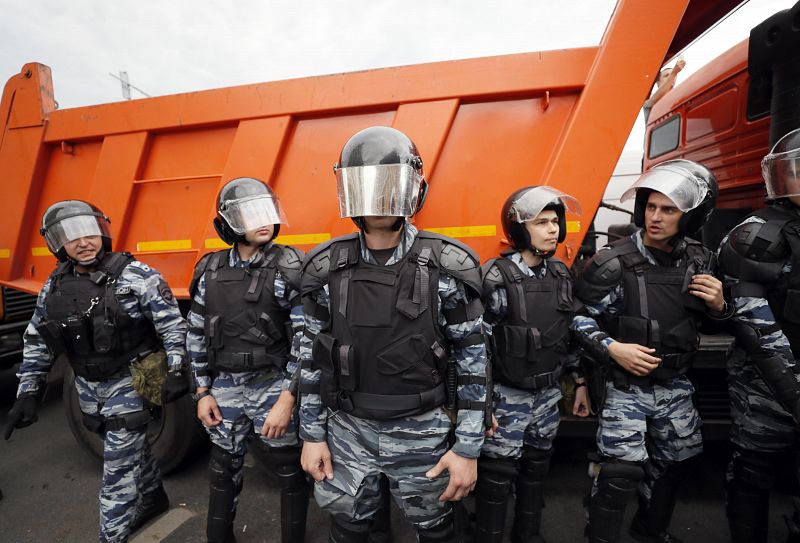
(544, 230)
(377, 224)
(84, 249)
(260, 236)
(661, 217)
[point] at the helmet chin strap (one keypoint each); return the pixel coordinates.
(679, 245)
(539, 252)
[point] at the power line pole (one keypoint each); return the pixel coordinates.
(126, 85)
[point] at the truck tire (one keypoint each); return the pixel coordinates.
(175, 434)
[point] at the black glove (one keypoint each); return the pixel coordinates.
(23, 413)
(175, 386)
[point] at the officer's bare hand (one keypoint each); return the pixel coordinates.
(582, 406)
(709, 289)
(279, 416)
(491, 431)
(463, 474)
(316, 460)
(208, 411)
(635, 358)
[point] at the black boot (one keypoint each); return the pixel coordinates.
(616, 485)
(343, 531)
(530, 496)
(285, 462)
(652, 520)
(150, 506)
(380, 528)
(222, 496)
(749, 482)
(491, 497)
(441, 533)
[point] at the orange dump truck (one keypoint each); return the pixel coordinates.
(483, 126)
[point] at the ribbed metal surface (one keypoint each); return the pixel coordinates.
(18, 305)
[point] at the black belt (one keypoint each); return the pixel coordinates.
(398, 402)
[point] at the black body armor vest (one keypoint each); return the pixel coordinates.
(783, 295)
(245, 327)
(86, 322)
(532, 341)
(383, 356)
(658, 310)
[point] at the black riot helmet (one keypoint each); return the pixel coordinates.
(781, 167)
(245, 204)
(69, 220)
(691, 186)
(525, 204)
(379, 173)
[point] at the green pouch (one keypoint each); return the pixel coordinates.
(149, 375)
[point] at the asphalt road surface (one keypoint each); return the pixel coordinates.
(50, 490)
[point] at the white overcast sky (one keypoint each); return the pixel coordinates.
(172, 46)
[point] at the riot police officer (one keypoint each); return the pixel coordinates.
(105, 311)
(759, 261)
(245, 313)
(393, 319)
(644, 297)
(529, 307)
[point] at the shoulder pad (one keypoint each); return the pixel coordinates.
(317, 265)
(559, 267)
(199, 269)
(753, 252)
(290, 264)
(458, 260)
(600, 275)
(492, 277)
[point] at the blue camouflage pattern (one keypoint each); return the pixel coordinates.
(401, 438)
(758, 421)
(129, 468)
(244, 399)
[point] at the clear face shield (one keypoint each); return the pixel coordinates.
(386, 190)
(781, 173)
(686, 190)
(528, 206)
(71, 228)
(252, 213)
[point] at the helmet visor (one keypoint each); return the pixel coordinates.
(71, 228)
(250, 214)
(386, 190)
(531, 203)
(685, 189)
(781, 173)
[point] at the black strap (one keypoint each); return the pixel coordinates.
(308, 388)
(471, 380)
(541, 380)
(472, 339)
(344, 280)
(398, 402)
(748, 290)
(463, 312)
(470, 405)
(421, 295)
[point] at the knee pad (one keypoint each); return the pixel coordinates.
(535, 464)
(617, 481)
(224, 465)
(285, 463)
(347, 531)
(755, 470)
(495, 476)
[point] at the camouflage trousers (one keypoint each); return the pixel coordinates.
(656, 425)
(524, 417)
(403, 450)
(129, 467)
(245, 400)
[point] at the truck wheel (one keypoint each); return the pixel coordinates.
(175, 433)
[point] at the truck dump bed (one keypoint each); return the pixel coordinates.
(484, 127)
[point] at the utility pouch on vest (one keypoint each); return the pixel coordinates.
(271, 328)
(214, 332)
(51, 334)
(414, 361)
(104, 334)
(634, 330)
(77, 333)
(791, 308)
(94, 423)
(348, 372)
(322, 353)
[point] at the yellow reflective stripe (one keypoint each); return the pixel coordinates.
(168, 245)
(5, 253)
(41, 251)
(480, 231)
(573, 227)
(303, 239)
(216, 243)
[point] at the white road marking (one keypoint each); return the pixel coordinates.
(164, 526)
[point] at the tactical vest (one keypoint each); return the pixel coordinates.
(86, 322)
(383, 355)
(245, 327)
(531, 342)
(658, 310)
(783, 295)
